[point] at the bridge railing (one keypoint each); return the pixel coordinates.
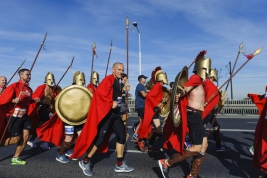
(241, 107)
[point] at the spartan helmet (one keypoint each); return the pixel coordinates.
(161, 76)
(49, 79)
(213, 73)
(95, 78)
(78, 78)
(202, 67)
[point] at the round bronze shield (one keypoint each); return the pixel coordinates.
(72, 104)
(179, 82)
(166, 108)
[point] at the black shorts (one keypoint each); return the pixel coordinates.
(140, 112)
(17, 125)
(196, 129)
(209, 119)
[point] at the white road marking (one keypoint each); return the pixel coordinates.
(235, 130)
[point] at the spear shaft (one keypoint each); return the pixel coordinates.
(23, 87)
(108, 57)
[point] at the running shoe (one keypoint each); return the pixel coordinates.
(45, 146)
(141, 145)
(251, 150)
(134, 138)
(164, 168)
(222, 148)
(31, 144)
(86, 168)
(69, 153)
(123, 168)
(62, 158)
(17, 161)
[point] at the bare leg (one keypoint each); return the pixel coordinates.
(22, 143)
(10, 141)
(120, 150)
(92, 151)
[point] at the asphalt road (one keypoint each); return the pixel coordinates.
(237, 132)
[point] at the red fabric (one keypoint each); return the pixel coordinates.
(260, 142)
(200, 54)
(210, 97)
(32, 112)
(249, 56)
(3, 122)
(91, 87)
(174, 137)
(100, 106)
(194, 80)
(258, 100)
(153, 98)
(12, 92)
(52, 131)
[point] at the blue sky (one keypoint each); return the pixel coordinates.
(172, 32)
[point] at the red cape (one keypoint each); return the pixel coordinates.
(174, 137)
(260, 142)
(153, 98)
(210, 89)
(3, 122)
(52, 131)
(91, 87)
(100, 106)
(32, 112)
(258, 100)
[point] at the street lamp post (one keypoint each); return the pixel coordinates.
(139, 41)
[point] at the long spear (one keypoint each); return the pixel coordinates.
(215, 115)
(42, 44)
(108, 57)
(249, 57)
(64, 73)
(127, 64)
(93, 54)
(14, 75)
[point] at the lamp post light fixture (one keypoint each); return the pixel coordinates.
(139, 41)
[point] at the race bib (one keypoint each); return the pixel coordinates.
(19, 112)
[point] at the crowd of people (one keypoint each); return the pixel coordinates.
(26, 114)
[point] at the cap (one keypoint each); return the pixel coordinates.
(141, 76)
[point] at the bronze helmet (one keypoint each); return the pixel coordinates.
(78, 78)
(50, 79)
(213, 73)
(95, 78)
(202, 67)
(161, 76)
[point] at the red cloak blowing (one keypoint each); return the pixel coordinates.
(258, 100)
(100, 106)
(260, 142)
(211, 96)
(153, 98)
(52, 131)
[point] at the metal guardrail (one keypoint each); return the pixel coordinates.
(241, 107)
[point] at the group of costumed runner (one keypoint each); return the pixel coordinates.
(197, 101)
